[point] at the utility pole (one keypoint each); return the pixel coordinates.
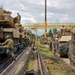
(45, 22)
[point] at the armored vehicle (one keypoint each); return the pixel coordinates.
(63, 46)
(45, 40)
(10, 26)
(71, 52)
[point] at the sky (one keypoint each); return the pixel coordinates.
(32, 11)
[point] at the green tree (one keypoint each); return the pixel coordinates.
(29, 32)
(50, 34)
(54, 31)
(33, 35)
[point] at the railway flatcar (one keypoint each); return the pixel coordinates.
(14, 30)
(19, 41)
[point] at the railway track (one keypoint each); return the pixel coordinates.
(11, 67)
(42, 69)
(17, 67)
(38, 65)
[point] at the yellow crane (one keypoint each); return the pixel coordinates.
(45, 22)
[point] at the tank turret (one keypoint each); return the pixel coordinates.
(65, 31)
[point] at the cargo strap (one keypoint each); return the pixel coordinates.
(9, 42)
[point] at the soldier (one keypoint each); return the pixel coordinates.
(63, 30)
(18, 18)
(54, 46)
(57, 44)
(9, 44)
(50, 45)
(33, 44)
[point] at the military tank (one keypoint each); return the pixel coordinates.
(71, 52)
(65, 37)
(63, 45)
(10, 26)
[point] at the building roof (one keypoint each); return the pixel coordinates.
(65, 39)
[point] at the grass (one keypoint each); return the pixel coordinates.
(59, 67)
(30, 62)
(57, 72)
(45, 51)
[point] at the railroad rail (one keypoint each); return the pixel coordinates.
(42, 69)
(16, 67)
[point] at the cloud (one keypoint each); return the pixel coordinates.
(33, 10)
(28, 20)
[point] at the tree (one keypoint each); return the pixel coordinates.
(33, 35)
(50, 34)
(55, 31)
(29, 32)
(42, 35)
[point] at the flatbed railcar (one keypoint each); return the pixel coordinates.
(8, 27)
(19, 41)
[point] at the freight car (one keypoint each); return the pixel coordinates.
(19, 41)
(14, 30)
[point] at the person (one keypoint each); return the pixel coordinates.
(18, 18)
(63, 30)
(57, 44)
(54, 46)
(50, 45)
(33, 44)
(9, 44)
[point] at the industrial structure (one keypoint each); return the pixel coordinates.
(36, 26)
